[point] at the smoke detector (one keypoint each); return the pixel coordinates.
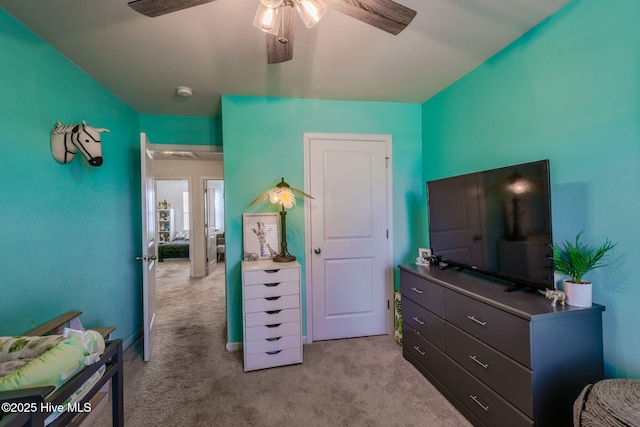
(184, 91)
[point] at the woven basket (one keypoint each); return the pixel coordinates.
(608, 403)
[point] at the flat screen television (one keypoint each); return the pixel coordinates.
(496, 222)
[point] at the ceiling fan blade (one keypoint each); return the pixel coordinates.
(153, 8)
(280, 47)
(386, 15)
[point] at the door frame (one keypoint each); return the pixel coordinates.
(387, 139)
(204, 180)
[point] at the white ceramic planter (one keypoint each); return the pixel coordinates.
(578, 294)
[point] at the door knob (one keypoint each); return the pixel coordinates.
(139, 258)
(152, 257)
(317, 250)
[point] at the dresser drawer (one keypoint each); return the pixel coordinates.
(273, 344)
(272, 317)
(271, 359)
(256, 277)
(507, 377)
(272, 331)
(426, 293)
(420, 350)
(426, 323)
(485, 404)
(503, 331)
(271, 303)
(265, 290)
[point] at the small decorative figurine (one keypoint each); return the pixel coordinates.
(250, 256)
(555, 296)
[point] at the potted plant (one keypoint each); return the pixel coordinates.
(575, 260)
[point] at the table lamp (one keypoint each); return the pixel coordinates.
(284, 195)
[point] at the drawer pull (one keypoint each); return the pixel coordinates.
(418, 291)
(479, 322)
(475, 399)
(273, 352)
(274, 339)
(420, 351)
(272, 298)
(271, 285)
(273, 311)
(275, 325)
(475, 359)
(418, 320)
(272, 271)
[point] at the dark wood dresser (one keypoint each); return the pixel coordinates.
(503, 359)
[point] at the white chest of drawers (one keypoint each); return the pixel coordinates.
(272, 314)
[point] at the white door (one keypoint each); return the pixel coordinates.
(210, 226)
(350, 256)
(148, 257)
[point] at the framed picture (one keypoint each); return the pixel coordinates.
(261, 235)
(423, 256)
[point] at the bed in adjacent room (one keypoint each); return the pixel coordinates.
(175, 249)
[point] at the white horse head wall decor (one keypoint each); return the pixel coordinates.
(67, 140)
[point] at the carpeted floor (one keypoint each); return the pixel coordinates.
(193, 381)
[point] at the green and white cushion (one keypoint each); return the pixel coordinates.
(50, 360)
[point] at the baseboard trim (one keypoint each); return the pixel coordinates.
(234, 346)
(132, 339)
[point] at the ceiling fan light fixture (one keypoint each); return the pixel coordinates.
(310, 11)
(272, 3)
(267, 19)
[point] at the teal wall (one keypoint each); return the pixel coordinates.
(569, 91)
(263, 141)
(182, 130)
(70, 232)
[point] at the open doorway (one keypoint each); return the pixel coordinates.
(194, 164)
(173, 220)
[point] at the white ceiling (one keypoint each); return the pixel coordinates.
(214, 49)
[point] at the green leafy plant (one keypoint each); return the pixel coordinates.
(577, 259)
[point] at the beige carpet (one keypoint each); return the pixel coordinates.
(193, 381)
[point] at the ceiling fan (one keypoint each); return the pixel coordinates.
(277, 17)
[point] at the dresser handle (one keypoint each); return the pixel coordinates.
(418, 291)
(271, 353)
(479, 322)
(273, 339)
(273, 311)
(272, 298)
(418, 320)
(475, 399)
(272, 271)
(419, 351)
(475, 359)
(275, 325)
(271, 285)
